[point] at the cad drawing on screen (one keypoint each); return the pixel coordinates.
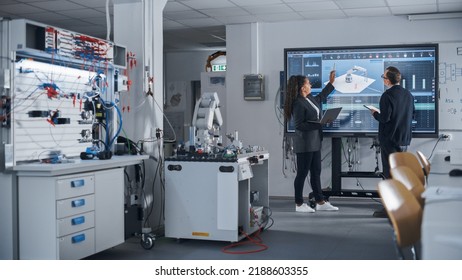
(358, 83)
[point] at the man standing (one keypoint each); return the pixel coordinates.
(395, 117)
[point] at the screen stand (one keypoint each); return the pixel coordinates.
(338, 174)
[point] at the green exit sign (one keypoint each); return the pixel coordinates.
(216, 68)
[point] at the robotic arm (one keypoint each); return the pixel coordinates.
(207, 113)
(207, 116)
(349, 77)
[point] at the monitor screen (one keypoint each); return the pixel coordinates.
(358, 82)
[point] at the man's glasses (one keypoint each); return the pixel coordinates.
(383, 77)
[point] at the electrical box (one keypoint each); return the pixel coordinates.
(30, 36)
(254, 88)
(120, 83)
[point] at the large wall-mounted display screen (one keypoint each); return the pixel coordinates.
(358, 82)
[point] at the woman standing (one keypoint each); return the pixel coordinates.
(306, 112)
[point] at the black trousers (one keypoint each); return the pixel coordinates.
(386, 151)
(308, 162)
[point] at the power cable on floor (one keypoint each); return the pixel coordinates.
(255, 240)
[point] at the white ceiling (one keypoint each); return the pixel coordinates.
(200, 24)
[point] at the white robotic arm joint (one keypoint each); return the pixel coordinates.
(207, 116)
(355, 68)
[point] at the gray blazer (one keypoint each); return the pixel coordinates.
(308, 133)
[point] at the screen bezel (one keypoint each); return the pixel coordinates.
(331, 133)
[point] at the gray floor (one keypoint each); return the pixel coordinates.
(349, 234)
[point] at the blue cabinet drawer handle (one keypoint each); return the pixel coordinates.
(78, 203)
(78, 220)
(78, 238)
(78, 183)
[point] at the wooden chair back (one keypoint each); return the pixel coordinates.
(408, 178)
(426, 166)
(407, 159)
(403, 210)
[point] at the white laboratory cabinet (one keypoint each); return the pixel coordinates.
(71, 211)
(211, 199)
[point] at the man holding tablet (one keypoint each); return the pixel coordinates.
(395, 117)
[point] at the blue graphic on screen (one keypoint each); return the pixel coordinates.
(358, 82)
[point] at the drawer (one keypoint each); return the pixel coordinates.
(77, 246)
(75, 186)
(75, 223)
(76, 205)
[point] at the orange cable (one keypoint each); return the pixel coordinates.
(256, 240)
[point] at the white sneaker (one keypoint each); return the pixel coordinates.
(304, 208)
(326, 207)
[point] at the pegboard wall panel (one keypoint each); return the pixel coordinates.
(48, 110)
(59, 95)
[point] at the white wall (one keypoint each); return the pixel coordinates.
(257, 122)
(185, 66)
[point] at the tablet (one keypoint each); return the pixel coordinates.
(329, 115)
(372, 108)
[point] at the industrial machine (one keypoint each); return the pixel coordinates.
(58, 102)
(215, 191)
(61, 100)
